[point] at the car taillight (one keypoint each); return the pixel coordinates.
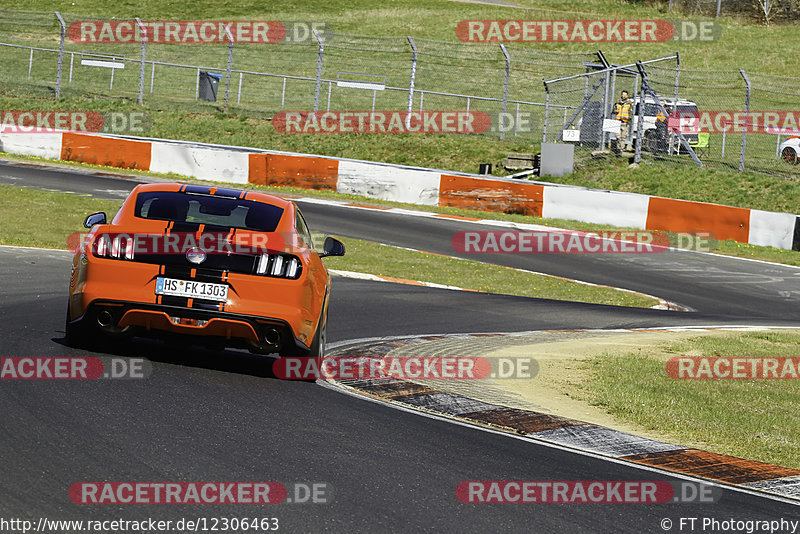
(119, 247)
(279, 265)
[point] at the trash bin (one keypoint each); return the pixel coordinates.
(208, 85)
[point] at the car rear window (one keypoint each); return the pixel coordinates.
(209, 210)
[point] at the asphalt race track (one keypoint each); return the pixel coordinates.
(210, 416)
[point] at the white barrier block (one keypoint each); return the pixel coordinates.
(42, 145)
(770, 229)
(389, 183)
(601, 207)
(200, 162)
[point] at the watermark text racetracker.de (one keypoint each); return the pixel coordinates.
(202, 493)
(404, 368)
(734, 121)
(733, 368)
(586, 31)
(53, 121)
(586, 492)
(196, 31)
(73, 368)
(578, 242)
(131, 245)
(393, 122)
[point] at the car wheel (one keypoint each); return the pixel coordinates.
(789, 155)
(317, 349)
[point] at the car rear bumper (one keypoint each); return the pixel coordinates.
(266, 334)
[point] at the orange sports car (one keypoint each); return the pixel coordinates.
(236, 267)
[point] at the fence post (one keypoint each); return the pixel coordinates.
(60, 53)
(637, 157)
(546, 110)
(649, 90)
(230, 64)
(141, 66)
(413, 79)
(670, 6)
(746, 118)
(319, 70)
(604, 114)
(719, 4)
(505, 91)
(677, 74)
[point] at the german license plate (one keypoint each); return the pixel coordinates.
(191, 289)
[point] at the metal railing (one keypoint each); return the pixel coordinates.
(272, 77)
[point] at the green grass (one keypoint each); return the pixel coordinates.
(729, 248)
(448, 152)
(754, 419)
(385, 260)
(745, 190)
(742, 45)
(45, 219)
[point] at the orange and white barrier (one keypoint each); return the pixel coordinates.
(413, 185)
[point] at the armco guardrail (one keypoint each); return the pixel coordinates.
(242, 165)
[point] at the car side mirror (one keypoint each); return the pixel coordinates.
(95, 218)
(332, 247)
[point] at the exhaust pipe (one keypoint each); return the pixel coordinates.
(272, 337)
(105, 319)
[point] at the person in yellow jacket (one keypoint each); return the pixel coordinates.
(622, 112)
(662, 134)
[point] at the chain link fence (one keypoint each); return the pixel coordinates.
(44, 55)
(579, 106)
(728, 119)
(766, 11)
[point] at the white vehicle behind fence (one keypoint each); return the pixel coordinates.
(686, 110)
(790, 149)
(590, 123)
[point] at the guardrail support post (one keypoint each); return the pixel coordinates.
(637, 157)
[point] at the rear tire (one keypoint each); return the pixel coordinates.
(789, 155)
(317, 349)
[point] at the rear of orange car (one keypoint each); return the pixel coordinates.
(229, 266)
